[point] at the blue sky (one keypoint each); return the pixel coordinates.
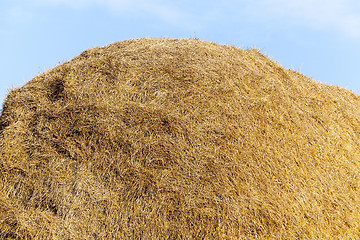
(319, 38)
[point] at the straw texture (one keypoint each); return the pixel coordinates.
(178, 139)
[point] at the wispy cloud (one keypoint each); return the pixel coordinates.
(161, 9)
(342, 16)
(339, 15)
(111, 4)
(16, 14)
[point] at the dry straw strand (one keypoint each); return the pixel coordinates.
(178, 139)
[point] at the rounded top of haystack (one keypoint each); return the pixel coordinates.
(179, 139)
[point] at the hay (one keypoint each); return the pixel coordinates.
(178, 139)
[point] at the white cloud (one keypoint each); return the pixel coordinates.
(16, 14)
(342, 16)
(161, 9)
(339, 15)
(85, 3)
(351, 25)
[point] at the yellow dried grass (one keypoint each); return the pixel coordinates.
(178, 139)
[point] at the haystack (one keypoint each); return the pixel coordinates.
(178, 139)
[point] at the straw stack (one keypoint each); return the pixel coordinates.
(178, 139)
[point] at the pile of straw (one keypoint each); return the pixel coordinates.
(178, 139)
